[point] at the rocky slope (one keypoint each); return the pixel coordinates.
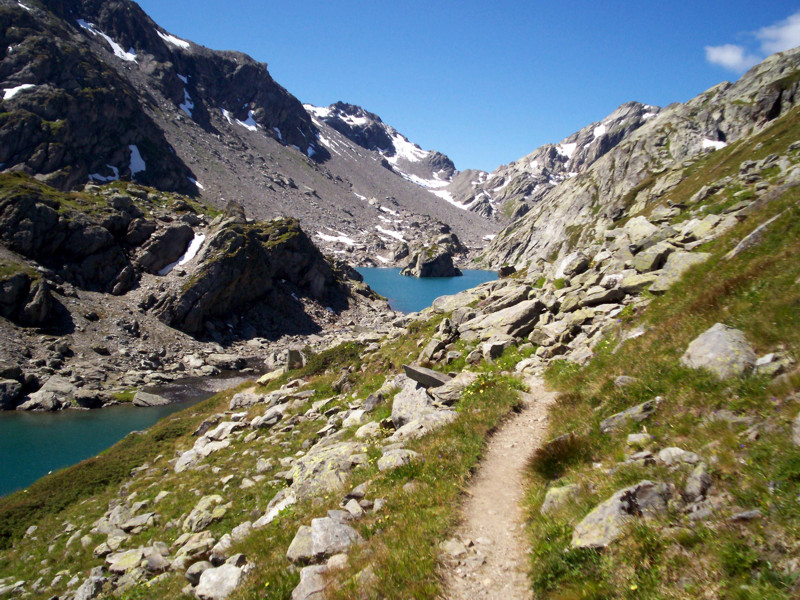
(649, 162)
(97, 91)
(511, 190)
(156, 285)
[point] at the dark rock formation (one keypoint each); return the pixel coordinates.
(432, 261)
(247, 265)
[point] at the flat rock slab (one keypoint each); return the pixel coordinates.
(147, 399)
(427, 378)
(722, 350)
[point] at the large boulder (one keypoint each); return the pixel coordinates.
(722, 350)
(56, 392)
(433, 261)
(607, 521)
(323, 470)
(218, 583)
(165, 248)
(411, 403)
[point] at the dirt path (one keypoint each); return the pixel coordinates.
(487, 558)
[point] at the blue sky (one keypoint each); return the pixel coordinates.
(488, 82)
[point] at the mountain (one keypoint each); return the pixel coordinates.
(426, 168)
(95, 91)
(511, 190)
(654, 156)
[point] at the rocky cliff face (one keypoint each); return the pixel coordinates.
(649, 161)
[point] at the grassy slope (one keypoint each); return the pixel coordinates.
(401, 540)
(757, 292)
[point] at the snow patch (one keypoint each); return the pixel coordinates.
(278, 133)
(426, 183)
(707, 143)
(566, 149)
(9, 93)
(175, 41)
(311, 151)
(130, 55)
(191, 252)
(249, 123)
(28, 8)
(489, 237)
(395, 234)
(137, 162)
(448, 198)
(197, 183)
(405, 150)
(188, 103)
(336, 238)
(317, 111)
(183, 78)
(382, 259)
(648, 115)
(599, 131)
(227, 115)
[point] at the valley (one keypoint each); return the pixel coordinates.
(622, 369)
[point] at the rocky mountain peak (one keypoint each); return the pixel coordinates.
(426, 168)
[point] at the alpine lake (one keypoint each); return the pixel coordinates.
(35, 444)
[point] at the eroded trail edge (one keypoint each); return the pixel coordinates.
(487, 557)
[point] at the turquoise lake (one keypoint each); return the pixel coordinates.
(412, 294)
(32, 444)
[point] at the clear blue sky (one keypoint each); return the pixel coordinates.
(488, 82)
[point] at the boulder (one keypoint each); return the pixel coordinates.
(205, 512)
(607, 521)
(312, 583)
(147, 399)
(410, 403)
(427, 378)
(323, 469)
(557, 497)
(395, 458)
(515, 321)
(677, 263)
(571, 265)
(722, 350)
(300, 549)
(637, 413)
(56, 391)
(329, 537)
(194, 572)
(451, 392)
(10, 394)
(423, 425)
(165, 248)
(433, 261)
(697, 484)
(218, 583)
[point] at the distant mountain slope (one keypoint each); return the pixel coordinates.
(652, 159)
(511, 190)
(94, 90)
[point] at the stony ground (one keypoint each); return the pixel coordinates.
(487, 557)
